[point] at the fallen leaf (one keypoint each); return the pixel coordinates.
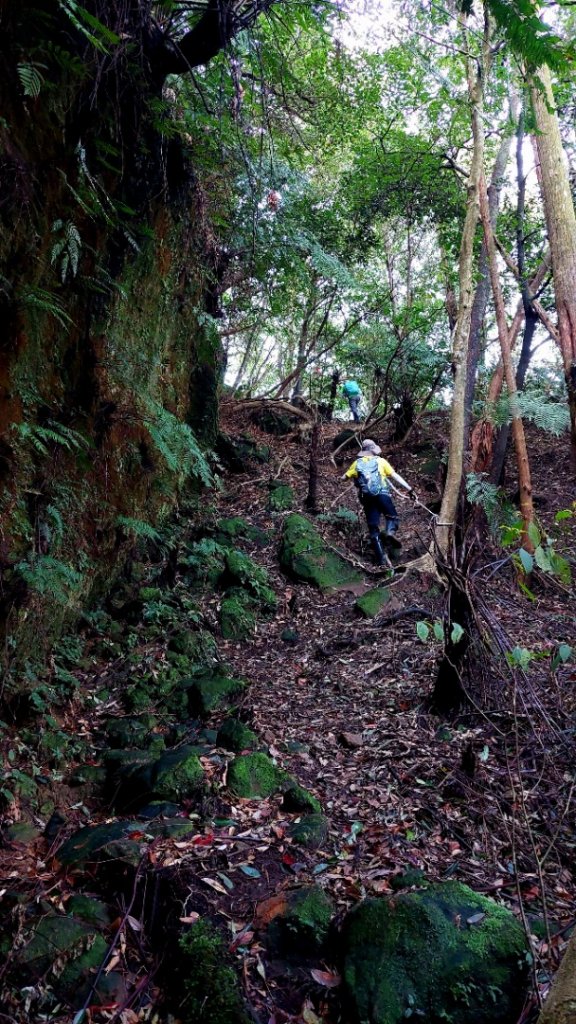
(330, 979)
(269, 909)
(191, 919)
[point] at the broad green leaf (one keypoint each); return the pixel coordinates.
(526, 559)
(457, 633)
(247, 869)
(564, 652)
(423, 630)
(438, 631)
(564, 513)
(542, 560)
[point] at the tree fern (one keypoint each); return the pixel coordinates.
(40, 438)
(547, 415)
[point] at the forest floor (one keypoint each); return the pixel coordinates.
(344, 705)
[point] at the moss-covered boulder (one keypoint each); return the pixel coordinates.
(256, 775)
(234, 735)
(203, 988)
(445, 953)
(129, 731)
(238, 453)
(117, 840)
(281, 496)
(64, 951)
(176, 775)
(304, 556)
(211, 689)
(303, 927)
(230, 531)
(278, 422)
(310, 831)
(372, 602)
(298, 799)
(242, 571)
(237, 615)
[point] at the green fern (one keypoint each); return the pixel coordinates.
(176, 443)
(498, 511)
(47, 575)
(54, 433)
(550, 416)
(31, 78)
(94, 30)
(138, 528)
(66, 250)
(38, 300)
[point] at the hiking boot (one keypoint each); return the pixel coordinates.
(379, 552)
(390, 541)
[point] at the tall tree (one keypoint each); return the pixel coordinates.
(561, 225)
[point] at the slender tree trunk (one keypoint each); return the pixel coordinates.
(524, 481)
(560, 1004)
(561, 225)
(483, 275)
(461, 335)
(311, 501)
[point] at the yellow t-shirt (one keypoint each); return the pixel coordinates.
(384, 467)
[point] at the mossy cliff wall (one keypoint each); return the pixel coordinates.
(109, 357)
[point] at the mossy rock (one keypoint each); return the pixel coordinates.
(237, 453)
(445, 952)
(242, 571)
(303, 927)
(230, 531)
(304, 556)
(130, 731)
(20, 832)
(311, 831)
(91, 776)
(210, 690)
(64, 951)
(255, 775)
(118, 840)
(281, 496)
(158, 809)
(237, 615)
(407, 879)
(372, 602)
(298, 799)
(176, 775)
(274, 421)
(234, 735)
(203, 988)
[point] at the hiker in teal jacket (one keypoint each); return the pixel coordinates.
(351, 391)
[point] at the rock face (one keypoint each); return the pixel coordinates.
(444, 953)
(305, 556)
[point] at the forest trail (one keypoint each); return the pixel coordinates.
(341, 701)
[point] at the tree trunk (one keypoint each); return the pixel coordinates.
(447, 517)
(311, 501)
(561, 225)
(524, 481)
(483, 276)
(560, 1004)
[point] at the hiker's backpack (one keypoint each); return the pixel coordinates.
(369, 479)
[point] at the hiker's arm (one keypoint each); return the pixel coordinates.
(400, 480)
(351, 472)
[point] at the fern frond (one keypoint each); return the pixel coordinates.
(550, 416)
(31, 79)
(47, 575)
(177, 444)
(138, 527)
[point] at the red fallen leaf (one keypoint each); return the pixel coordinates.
(288, 859)
(202, 840)
(244, 938)
(330, 979)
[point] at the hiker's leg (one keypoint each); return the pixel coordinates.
(372, 512)
(353, 403)
(389, 509)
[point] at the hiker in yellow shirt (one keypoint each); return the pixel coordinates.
(370, 474)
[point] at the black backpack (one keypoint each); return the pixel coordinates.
(369, 479)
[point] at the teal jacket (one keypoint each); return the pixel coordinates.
(350, 388)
